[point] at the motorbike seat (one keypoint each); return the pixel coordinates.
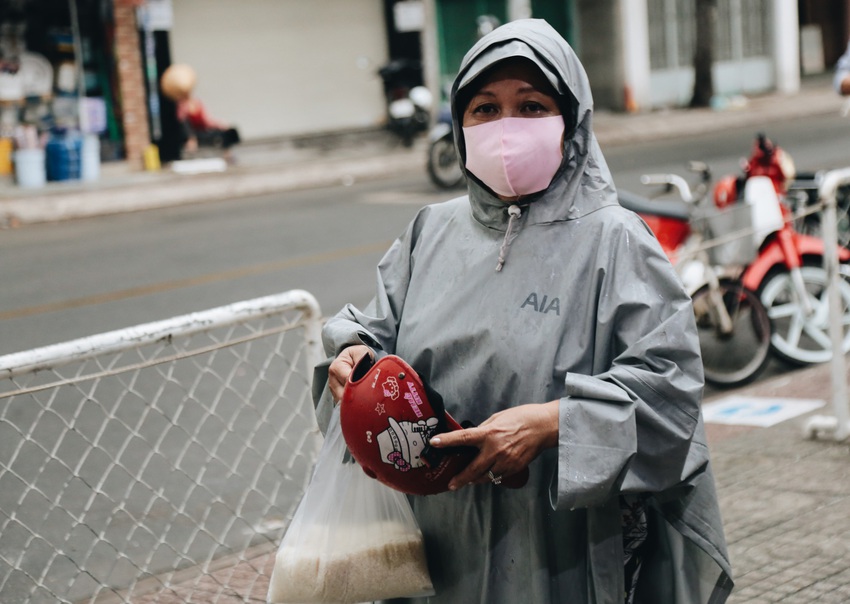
(664, 208)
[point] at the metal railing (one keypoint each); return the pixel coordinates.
(158, 463)
(836, 426)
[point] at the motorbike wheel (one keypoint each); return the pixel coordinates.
(738, 357)
(795, 337)
(443, 164)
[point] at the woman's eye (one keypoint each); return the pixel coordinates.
(533, 107)
(485, 109)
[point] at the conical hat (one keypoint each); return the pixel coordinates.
(178, 81)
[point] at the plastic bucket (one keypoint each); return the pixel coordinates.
(90, 162)
(30, 169)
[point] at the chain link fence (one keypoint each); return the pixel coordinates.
(158, 463)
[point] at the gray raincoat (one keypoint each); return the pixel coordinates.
(586, 309)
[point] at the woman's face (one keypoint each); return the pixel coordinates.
(514, 89)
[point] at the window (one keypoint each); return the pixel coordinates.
(741, 31)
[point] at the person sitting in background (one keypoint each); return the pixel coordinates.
(199, 128)
(841, 81)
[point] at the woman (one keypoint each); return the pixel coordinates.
(548, 316)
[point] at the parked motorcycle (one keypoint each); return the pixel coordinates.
(443, 163)
(408, 102)
(787, 271)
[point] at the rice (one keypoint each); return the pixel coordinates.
(355, 567)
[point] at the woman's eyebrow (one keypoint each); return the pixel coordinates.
(522, 89)
(530, 88)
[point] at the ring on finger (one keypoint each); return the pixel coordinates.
(494, 478)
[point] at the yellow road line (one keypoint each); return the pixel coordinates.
(164, 286)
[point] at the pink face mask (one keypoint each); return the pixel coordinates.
(515, 155)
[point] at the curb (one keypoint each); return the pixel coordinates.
(181, 190)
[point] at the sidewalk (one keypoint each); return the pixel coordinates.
(276, 166)
(785, 500)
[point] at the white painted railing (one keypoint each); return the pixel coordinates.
(836, 426)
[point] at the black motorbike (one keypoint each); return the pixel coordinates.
(408, 102)
(443, 163)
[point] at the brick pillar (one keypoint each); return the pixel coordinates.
(134, 110)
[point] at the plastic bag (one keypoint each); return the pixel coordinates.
(352, 539)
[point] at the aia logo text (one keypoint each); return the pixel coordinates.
(542, 304)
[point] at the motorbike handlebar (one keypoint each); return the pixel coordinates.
(670, 180)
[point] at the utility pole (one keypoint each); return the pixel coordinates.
(706, 24)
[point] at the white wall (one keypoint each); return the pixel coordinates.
(675, 87)
(285, 67)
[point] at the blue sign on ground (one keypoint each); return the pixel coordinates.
(756, 411)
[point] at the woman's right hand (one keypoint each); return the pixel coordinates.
(342, 366)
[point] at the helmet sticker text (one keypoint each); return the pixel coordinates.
(375, 379)
(413, 399)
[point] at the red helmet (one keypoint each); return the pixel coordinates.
(388, 416)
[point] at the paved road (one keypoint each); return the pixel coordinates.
(76, 278)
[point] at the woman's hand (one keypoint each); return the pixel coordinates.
(342, 366)
(507, 442)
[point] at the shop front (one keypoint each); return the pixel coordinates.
(60, 94)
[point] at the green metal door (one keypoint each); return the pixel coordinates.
(457, 31)
(457, 27)
(559, 14)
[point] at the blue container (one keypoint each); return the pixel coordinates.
(64, 154)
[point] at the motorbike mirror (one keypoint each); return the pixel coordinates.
(421, 97)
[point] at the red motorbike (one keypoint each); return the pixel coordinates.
(787, 270)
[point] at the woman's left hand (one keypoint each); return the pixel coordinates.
(507, 442)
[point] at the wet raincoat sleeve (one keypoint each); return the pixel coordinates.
(630, 427)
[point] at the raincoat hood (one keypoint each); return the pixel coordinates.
(583, 183)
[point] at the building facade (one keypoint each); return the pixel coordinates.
(289, 68)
